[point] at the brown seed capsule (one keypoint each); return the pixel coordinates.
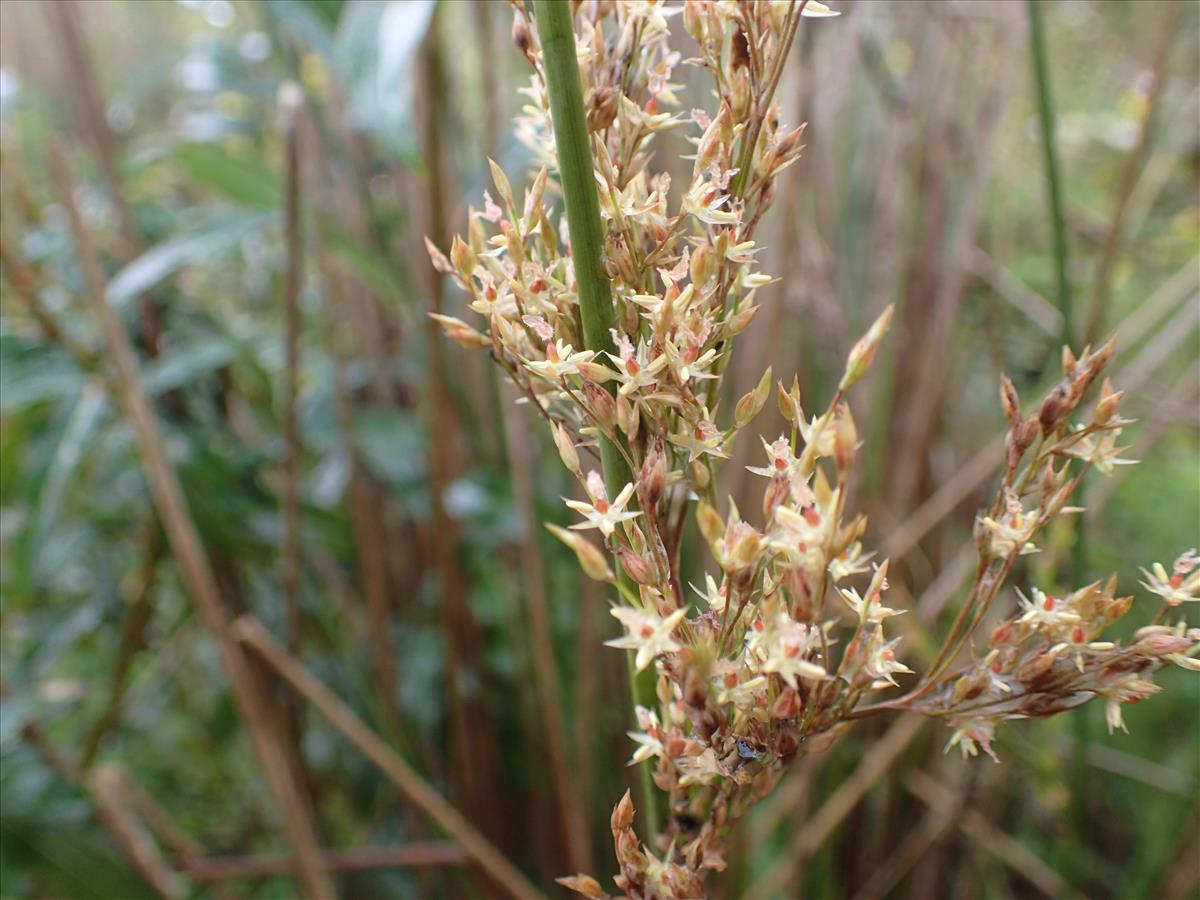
(1055, 408)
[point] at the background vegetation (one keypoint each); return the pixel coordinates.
(382, 518)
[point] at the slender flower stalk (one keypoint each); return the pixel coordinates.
(587, 245)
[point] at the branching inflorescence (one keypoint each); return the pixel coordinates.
(776, 652)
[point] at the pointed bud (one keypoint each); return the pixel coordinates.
(566, 448)
(864, 351)
(653, 479)
(740, 321)
(601, 404)
(752, 402)
(845, 438)
(1009, 399)
(640, 569)
(628, 416)
(710, 523)
(789, 402)
(1068, 361)
(1108, 404)
(503, 188)
(462, 257)
(591, 560)
(460, 332)
(703, 265)
(622, 816)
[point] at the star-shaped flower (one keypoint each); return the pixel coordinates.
(561, 360)
(600, 513)
(648, 634)
(1181, 586)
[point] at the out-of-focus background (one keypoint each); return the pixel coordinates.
(411, 574)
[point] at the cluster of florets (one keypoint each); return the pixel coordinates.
(1050, 655)
(784, 646)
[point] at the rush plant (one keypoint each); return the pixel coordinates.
(616, 322)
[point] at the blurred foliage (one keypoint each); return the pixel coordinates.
(911, 108)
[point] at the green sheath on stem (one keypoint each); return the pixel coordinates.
(587, 244)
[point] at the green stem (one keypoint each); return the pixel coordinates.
(587, 245)
(1041, 77)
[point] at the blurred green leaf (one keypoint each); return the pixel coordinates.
(242, 178)
(170, 256)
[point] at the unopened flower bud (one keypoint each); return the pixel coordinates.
(1108, 404)
(710, 523)
(1009, 400)
(845, 438)
(622, 816)
(740, 321)
(703, 265)
(600, 403)
(462, 257)
(619, 260)
(753, 401)
(742, 545)
(653, 479)
(566, 447)
(863, 352)
(1162, 644)
(591, 560)
(602, 109)
(1068, 361)
(636, 567)
(628, 416)
(460, 332)
(1055, 409)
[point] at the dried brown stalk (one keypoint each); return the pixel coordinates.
(133, 629)
(553, 726)
(250, 632)
(189, 551)
(876, 763)
(472, 732)
(65, 15)
(987, 836)
(106, 786)
(403, 856)
(363, 508)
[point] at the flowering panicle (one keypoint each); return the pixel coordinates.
(786, 644)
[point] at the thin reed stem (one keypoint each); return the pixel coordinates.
(1058, 224)
(184, 539)
(587, 244)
